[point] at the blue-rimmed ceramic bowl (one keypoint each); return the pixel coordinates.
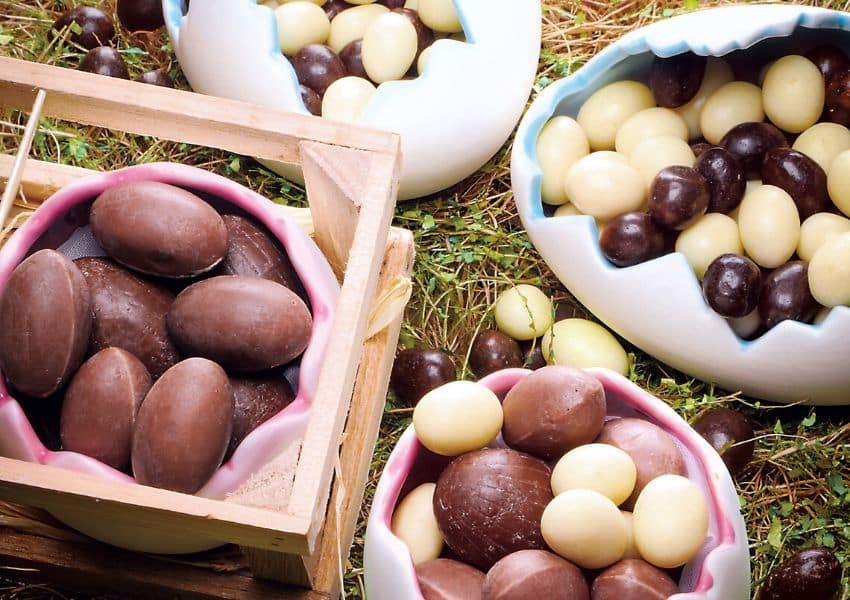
(658, 305)
(451, 120)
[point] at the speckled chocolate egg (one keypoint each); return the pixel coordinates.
(731, 434)
(552, 411)
(129, 312)
(246, 324)
(491, 351)
(183, 427)
(45, 322)
(489, 502)
(140, 15)
(255, 401)
(104, 60)
(534, 575)
(157, 77)
(158, 229)
(813, 574)
(447, 579)
(417, 371)
(633, 579)
(96, 27)
(100, 406)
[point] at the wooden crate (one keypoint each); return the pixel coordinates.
(351, 180)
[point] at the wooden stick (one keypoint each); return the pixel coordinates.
(14, 181)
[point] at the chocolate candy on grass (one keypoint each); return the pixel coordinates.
(801, 177)
(632, 579)
(491, 351)
(489, 503)
(725, 176)
(158, 77)
(417, 371)
(710, 236)
(447, 579)
(317, 66)
(414, 523)
(814, 574)
(675, 80)
(732, 285)
(770, 226)
(828, 59)
(312, 100)
(129, 312)
(584, 344)
(552, 411)
(95, 26)
(104, 60)
(140, 15)
(793, 93)
(255, 401)
(523, 312)
(100, 406)
(785, 295)
(183, 427)
(731, 434)
(45, 322)
(602, 468)
(534, 575)
(749, 142)
(678, 197)
(158, 229)
(632, 238)
(245, 324)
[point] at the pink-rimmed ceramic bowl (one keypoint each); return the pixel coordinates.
(61, 223)
(720, 571)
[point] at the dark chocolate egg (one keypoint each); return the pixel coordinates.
(424, 35)
(829, 60)
(352, 57)
(748, 142)
(417, 371)
(533, 355)
(129, 313)
(317, 66)
(725, 176)
(158, 77)
(632, 238)
(447, 579)
(837, 104)
(140, 15)
(391, 4)
(553, 410)
(813, 574)
(100, 406)
(312, 100)
(732, 285)
(183, 427)
(534, 575)
(45, 322)
(104, 60)
(333, 7)
(800, 176)
(96, 27)
(678, 196)
(676, 79)
(491, 351)
(255, 401)
(158, 229)
(489, 502)
(633, 579)
(246, 324)
(785, 295)
(731, 434)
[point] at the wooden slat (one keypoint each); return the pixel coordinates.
(41, 179)
(178, 115)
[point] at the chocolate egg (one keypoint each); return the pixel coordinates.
(246, 324)
(675, 80)
(633, 579)
(140, 15)
(492, 350)
(104, 60)
(533, 358)
(317, 66)
(158, 77)
(333, 7)
(100, 406)
(552, 411)
(352, 57)
(534, 575)
(251, 252)
(814, 574)
(678, 196)
(312, 100)
(96, 27)
(652, 449)
(183, 427)
(158, 229)
(725, 176)
(129, 313)
(829, 60)
(801, 177)
(255, 401)
(748, 142)
(45, 322)
(417, 371)
(786, 295)
(732, 285)
(489, 502)
(632, 238)
(730, 433)
(447, 579)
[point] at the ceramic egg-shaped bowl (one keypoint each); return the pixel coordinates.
(61, 223)
(720, 571)
(452, 119)
(658, 305)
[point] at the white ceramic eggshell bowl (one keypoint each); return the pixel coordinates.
(452, 119)
(49, 227)
(721, 570)
(658, 305)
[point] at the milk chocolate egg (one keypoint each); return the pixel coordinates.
(814, 574)
(255, 401)
(489, 503)
(100, 406)
(652, 449)
(158, 229)
(553, 410)
(251, 252)
(183, 427)
(447, 579)
(157, 77)
(352, 58)
(417, 371)
(633, 579)
(129, 313)
(312, 100)
(45, 321)
(246, 324)
(533, 575)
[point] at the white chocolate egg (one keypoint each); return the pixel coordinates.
(717, 73)
(414, 523)
(731, 104)
(817, 230)
(650, 122)
(838, 182)
(793, 93)
(823, 142)
(609, 107)
(300, 23)
(829, 272)
(584, 344)
(560, 144)
(603, 184)
(523, 312)
(651, 155)
(712, 235)
(440, 15)
(600, 467)
(352, 23)
(389, 47)
(769, 225)
(346, 98)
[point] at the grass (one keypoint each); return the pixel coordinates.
(470, 245)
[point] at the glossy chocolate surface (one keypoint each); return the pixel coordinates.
(732, 285)
(829, 60)
(447, 579)
(534, 575)
(813, 574)
(633, 579)
(140, 15)
(158, 77)
(675, 80)
(749, 142)
(731, 434)
(632, 238)
(800, 176)
(678, 197)
(96, 27)
(725, 176)
(255, 401)
(837, 104)
(491, 351)
(104, 60)
(352, 57)
(317, 66)
(417, 371)
(786, 295)
(312, 100)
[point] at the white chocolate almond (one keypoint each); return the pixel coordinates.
(300, 23)
(352, 23)
(389, 47)
(560, 144)
(769, 225)
(346, 98)
(609, 107)
(731, 104)
(604, 185)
